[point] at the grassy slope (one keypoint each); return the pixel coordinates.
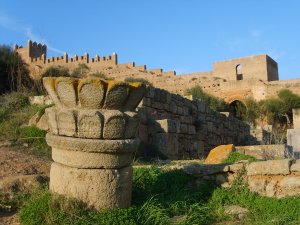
(160, 195)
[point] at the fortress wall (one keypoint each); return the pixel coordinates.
(252, 67)
(186, 129)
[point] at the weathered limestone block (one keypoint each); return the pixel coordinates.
(116, 95)
(167, 144)
(146, 102)
(114, 125)
(271, 167)
(173, 107)
(132, 124)
(257, 184)
(263, 151)
(296, 166)
(98, 188)
(179, 110)
(183, 128)
(219, 154)
(205, 170)
(49, 84)
(136, 94)
(66, 123)
(296, 118)
(91, 93)
(290, 182)
(191, 129)
(92, 145)
(92, 160)
(90, 124)
(43, 123)
(293, 140)
(52, 121)
(271, 188)
(167, 126)
(65, 89)
(236, 167)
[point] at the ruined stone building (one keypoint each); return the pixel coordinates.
(180, 127)
(234, 80)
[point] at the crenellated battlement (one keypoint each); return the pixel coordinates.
(35, 53)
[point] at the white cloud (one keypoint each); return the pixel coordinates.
(8, 23)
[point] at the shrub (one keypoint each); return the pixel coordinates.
(279, 110)
(56, 71)
(81, 70)
(11, 103)
(249, 112)
(142, 80)
(211, 101)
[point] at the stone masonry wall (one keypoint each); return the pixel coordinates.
(186, 129)
(273, 178)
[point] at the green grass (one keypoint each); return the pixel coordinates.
(160, 195)
(236, 157)
(15, 112)
(36, 139)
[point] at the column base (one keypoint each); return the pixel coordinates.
(98, 188)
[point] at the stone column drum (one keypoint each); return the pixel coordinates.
(92, 134)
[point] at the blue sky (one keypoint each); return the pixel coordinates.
(182, 35)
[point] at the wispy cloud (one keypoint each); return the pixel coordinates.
(10, 24)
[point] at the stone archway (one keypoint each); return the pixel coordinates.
(236, 105)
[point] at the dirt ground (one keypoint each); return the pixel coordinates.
(16, 161)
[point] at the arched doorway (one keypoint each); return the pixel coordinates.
(237, 108)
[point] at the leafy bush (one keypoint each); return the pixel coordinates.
(211, 101)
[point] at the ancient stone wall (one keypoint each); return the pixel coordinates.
(186, 129)
(273, 178)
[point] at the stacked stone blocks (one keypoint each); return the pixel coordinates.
(272, 178)
(92, 134)
(186, 129)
